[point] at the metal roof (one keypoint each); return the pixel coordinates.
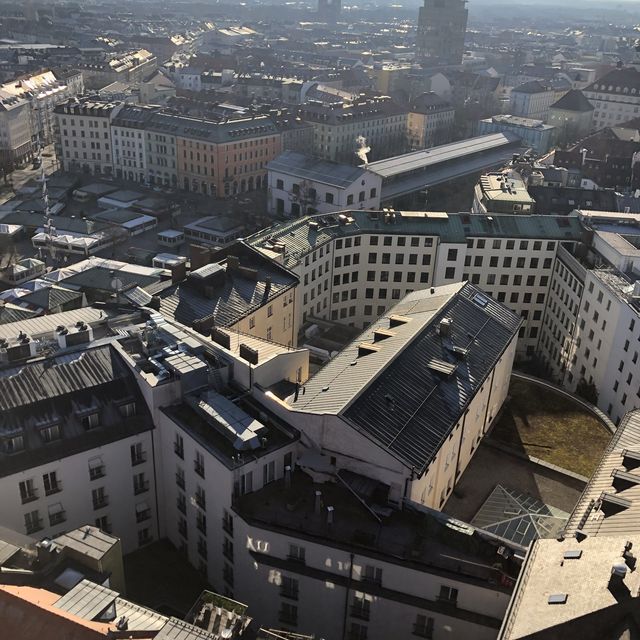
(315, 169)
(43, 325)
(300, 239)
(178, 630)
(407, 387)
(592, 515)
(86, 600)
(437, 155)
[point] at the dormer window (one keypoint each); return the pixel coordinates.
(128, 409)
(91, 420)
(50, 433)
(14, 443)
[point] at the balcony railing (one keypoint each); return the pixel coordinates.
(97, 472)
(57, 518)
(29, 497)
(53, 489)
(99, 503)
(141, 487)
(141, 516)
(138, 458)
(34, 525)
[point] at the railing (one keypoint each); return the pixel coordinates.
(96, 472)
(141, 516)
(141, 487)
(53, 489)
(99, 503)
(138, 458)
(29, 497)
(34, 525)
(57, 518)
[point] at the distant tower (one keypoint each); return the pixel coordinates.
(329, 10)
(442, 25)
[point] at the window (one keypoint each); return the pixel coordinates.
(269, 472)
(452, 255)
(102, 522)
(227, 522)
(279, 184)
(99, 498)
(138, 456)
(372, 574)
(140, 483)
(288, 614)
(143, 512)
(448, 594)
(449, 273)
(144, 537)
(128, 409)
(28, 491)
(297, 553)
(96, 468)
(51, 483)
(289, 588)
(357, 631)
(361, 606)
(178, 446)
(423, 626)
(198, 464)
(32, 521)
(56, 514)
(246, 483)
(329, 198)
(350, 199)
(91, 420)
(50, 433)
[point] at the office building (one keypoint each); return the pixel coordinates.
(430, 121)
(533, 133)
(442, 25)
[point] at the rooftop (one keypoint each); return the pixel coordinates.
(573, 100)
(405, 381)
(317, 170)
(505, 186)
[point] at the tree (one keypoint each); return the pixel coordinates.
(587, 391)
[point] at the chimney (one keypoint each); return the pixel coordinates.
(329, 515)
(444, 327)
(318, 502)
(178, 272)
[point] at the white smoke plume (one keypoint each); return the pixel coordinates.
(362, 149)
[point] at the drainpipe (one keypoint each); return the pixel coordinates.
(346, 598)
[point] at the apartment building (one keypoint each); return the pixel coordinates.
(84, 137)
(16, 144)
(591, 332)
(77, 441)
(129, 144)
(300, 184)
(572, 116)
(615, 97)
(339, 126)
(502, 192)
(161, 151)
(532, 100)
(430, 121)
(533, 132)
(441, 32)
(355, 268)
(127, 67)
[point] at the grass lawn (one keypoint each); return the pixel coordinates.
(546, 425)
(159, 577)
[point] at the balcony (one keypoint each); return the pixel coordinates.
(57, 518)
(138, 458)
(179, 450)
(34, 525)
(29, 497)
(100, 502)
(141, 487)
(198, 468)
(97, 472)
(141, 516)
(57, 488)
(180, 480)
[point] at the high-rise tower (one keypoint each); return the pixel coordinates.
(442, 25)
(329, 10)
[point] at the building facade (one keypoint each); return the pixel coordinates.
(615, 97)
(442, 25)
(533, 133)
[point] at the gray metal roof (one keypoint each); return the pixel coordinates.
(443, 153)
(178, 630)
(315, 169)
(300, 239)
(89, 541)
(86, 600)
(407, 387)
(593, 515)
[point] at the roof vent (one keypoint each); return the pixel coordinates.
(444, 327)
(557, 598)
(382, 334)
(396, 321)
(611, 504)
